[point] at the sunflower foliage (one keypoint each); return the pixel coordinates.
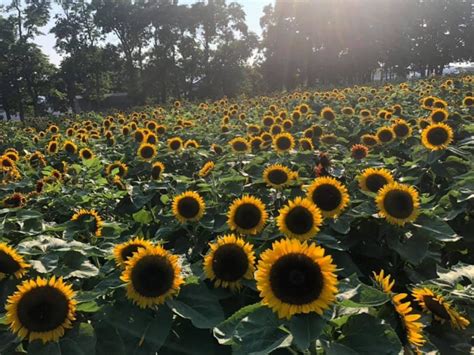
(331, 221)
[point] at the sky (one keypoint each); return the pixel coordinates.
(252, 8)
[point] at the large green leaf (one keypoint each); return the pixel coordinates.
(306, 328)
(198, 304)
(435, 228)
(366, 334)
(353, 293)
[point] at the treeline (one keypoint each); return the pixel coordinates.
(156, 50)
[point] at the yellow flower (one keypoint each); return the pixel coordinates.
(188, 207)
(96, 219)
(41, 309)
(295, 277)
(152, 275)
(329, 195)
(398, 203)
(247, 215)
(11, 263)
(373, 179)
(229, 261)
(299, 219)
(437, 136)
(124, 251)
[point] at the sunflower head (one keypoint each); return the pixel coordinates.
(119, 167)
(385, 134)
(306, 144)
(86, 154)
(247, 215)
(152, 275)
(191, 143)
(206, 169)
(175, 144)
(359, 151)
(398, 203)
(277, 176)
(299, 219)
(373, 179)
(52, 147)
(11, 263)
(439, 115)
(402, 129)
(146, 151)
(124, 251)
(15, 200)
(240, 145)
(283, 142)
(433, 302)
(328, 114)
(437, 136)
(92, 220)
(413, 330)
(295, 277)
(384, 282)
(70, 147)
(41, 309)
(229, 261)
(188, 207)
(157, 169)
(369, 140)
(329, 195)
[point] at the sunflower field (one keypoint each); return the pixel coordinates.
(334, 221)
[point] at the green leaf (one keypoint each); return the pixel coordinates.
(306, 328)
(366, 334)
(260, 333)
(80, 340)
(143, 216)
(196, 303)
(158, 329)
(224, 331)
(88, 307)
(38, 348)
(435, 228)
(108, 340)
(414, 250)
(353, 293)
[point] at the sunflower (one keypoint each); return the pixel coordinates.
(41, 309)
(11, 263)
(152, 275)
(247, 215)
(328, 138)
(442, 310)
(146, 151)
(437, 136)
(402, 129)
(306, 144)
(52, 147)
(86, 215)
(240, 145)
(385, 134)
(439, 115)
(283, 142)
(86, 154)
(373, 179)
(120, 167)
(398, 203)
(329, 195)
(157, 169)
(188, 207)
(468, 101)
(15, 200)
(175, 144)
(70, 147)
(384, 282)
(328, 113)
(206, 169)
(299, 219)
(369, 140)
(217, 149)
(124, 251)
(230, 259)
(191, 143)
(6, 163)
(359, 151)
(13, 154)
(277, 176)
(295, 277)
(347, 111)
(412, 328)
(256, 143)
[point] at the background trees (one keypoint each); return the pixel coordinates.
(156, 50)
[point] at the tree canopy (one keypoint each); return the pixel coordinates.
(158, 50)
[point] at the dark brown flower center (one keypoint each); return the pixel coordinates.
(230, 262)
